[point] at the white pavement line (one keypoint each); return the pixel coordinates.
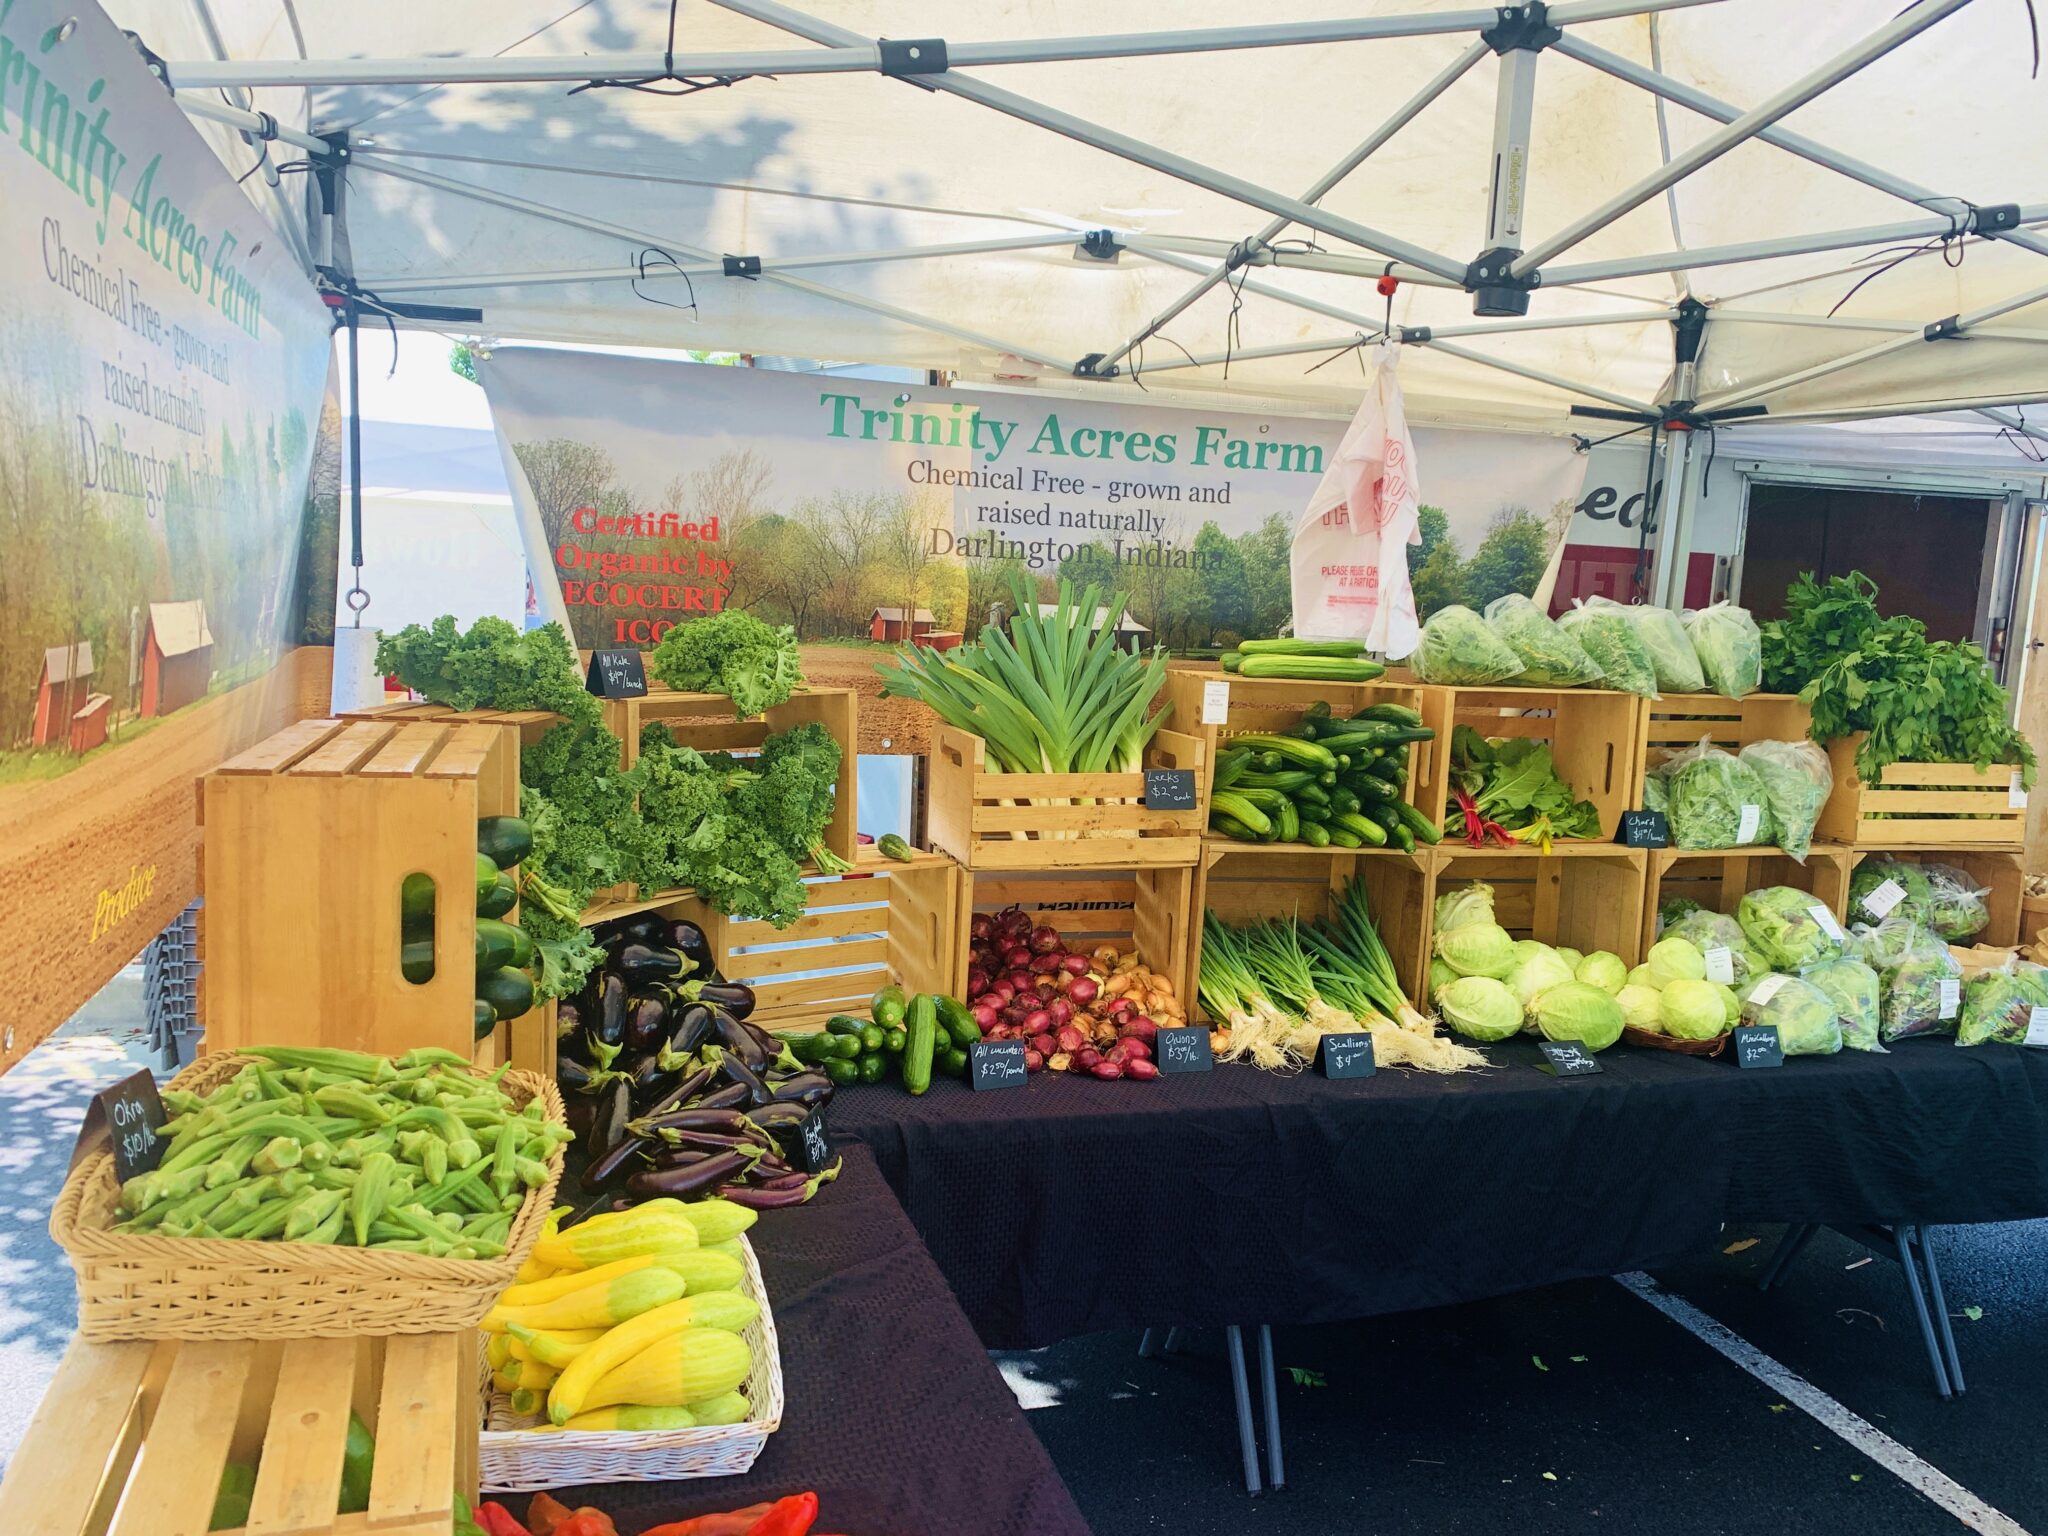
(1032, 1393)
(1843, 1422)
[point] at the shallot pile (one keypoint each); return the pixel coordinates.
(1089, 1013)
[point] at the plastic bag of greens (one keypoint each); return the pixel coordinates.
(1608, 637)
(1802, 1013)
(1550, 657)
(1790, 928)
(1673, 908)
(1955, 907)
(1458, 650)
(1730, 649)
(2000, 1005)
(1881, 887)
(1710, 931)
(1857, 994)
(1713, 799)
(1664, 637)
(1923, 984)
(1796, 777)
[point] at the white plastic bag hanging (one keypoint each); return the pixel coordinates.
(1350, 556)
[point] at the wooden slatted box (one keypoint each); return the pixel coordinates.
(1585, 895)
(1146, 907)
(132, 1438)
(1246, 882)
(1678, 721)
(1061, 820)
(1999, 872)
(1935, 805)
(1595, 736)
(308, 838)
(1718, 878)
(888, 921)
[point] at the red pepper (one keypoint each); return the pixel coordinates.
(792, 1516)
(735, 1522)
(544, 1513)
(497, 1520)
(587, 1522)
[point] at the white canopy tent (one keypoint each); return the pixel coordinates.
(1836, 206)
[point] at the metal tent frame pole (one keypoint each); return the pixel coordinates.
(1792, 143)
(642, 237)
(239, 117)
(1096, 136)
(1857, 323)
(867, 55)
(1367, 147)
(290, 220)
(1908, 25)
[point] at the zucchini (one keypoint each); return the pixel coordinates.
(505, 840)
(503, 897)
(484, 1019)
(416, 961)
(508, 991)
(1315, 834)
(1291, 647)
(416, 905)
(1241, 810)
(497, 943)
(1332, 669)
(890, 846)
(1305, 754)
(486, 878)
(921, 1039)
(1425, 830)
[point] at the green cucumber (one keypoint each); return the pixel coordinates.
(890, 846)
(889, 1006)
(921, 1029)
(505, 840)
(958, 1022)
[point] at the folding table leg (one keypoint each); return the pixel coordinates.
(1145, 1350)
(1240, 1391)
(1276, 1469)
(1172, 1344)
(1790, 1244)
(1940, 1304)
(1901, 1239)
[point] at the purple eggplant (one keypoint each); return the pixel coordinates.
(651, 1076)
(606, 1171)
(644, 965)
(785, 1117)
(730, 1096)
(806, 1089)
(608, 1125)
(742, 1075)
(683, 1157)
(682, 1093)
(736, 998)
(690, 1026)
(696, 1178)
(737, 1040)
(711, 1141)
(646, 1022)
(722, 1122)
(609, 1026)
(793, 1190)
(695, 947)
(575, 1076)
(641, 928)
(568, 1020)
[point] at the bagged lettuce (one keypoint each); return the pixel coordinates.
(1857, 995)
(1999, 1005)
(1457, 649)
(1730, 649)
(1789, 928)
(1606, 635)
(1923, 984)
(1551, 658)
(1670, 648)
(1796, 777)
(1707, 930)
(1801, 1012)
(1712, 799)
(1955, 908)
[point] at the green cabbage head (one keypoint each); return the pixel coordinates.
(1642, 1008)
(1480, 1008)
(1692, 1010)
(1603, 969)
(1577, 1010)
(1476, 949)
(1676, 960)
(1537, 974)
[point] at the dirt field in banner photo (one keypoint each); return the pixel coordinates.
(886, 725)
(93, 864)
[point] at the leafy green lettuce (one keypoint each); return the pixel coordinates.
(1796, 778)
(1551, 658)
(1458, 650)
(1611, 640)
(1712, 799)
(1729, 647)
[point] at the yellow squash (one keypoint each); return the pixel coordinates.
(726, 1408)
(713, 1309)
(654, 1227)
(680, 1368)
(631, 1418)
(569, 1280)
(559, 1346)
(595, 1306)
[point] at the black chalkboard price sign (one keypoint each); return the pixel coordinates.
(132, 1116)
(811, 1144)
(1344, 1056)
(996, 1064)
(1757, 1045)
(1169, 789)
(1183, 1050)
(1567, 1058)
(617, 674)
(1644, 829)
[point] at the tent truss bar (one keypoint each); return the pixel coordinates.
(1152, 156)
(1799, 144)
(866, 55)
(1257, 250)
(717, 266)
(1411, 335)
(641, 237)
(2013, 423)
(2007, 216)
(1953, 327)
(1853, 323)
(1901, 29)
(253, 122)
(291, 220)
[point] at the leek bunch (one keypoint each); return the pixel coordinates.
(1054, 693)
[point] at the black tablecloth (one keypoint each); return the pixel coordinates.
(894, 1413)
(1070, 1205)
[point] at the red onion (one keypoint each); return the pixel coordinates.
(1121, 1051)
(1083, 990)
(1060, 1009)
(1020, 980)
(1122, 1006)
(1135, 1047)
(977, 981)
(1070, 1038)
(1045, 938)
(1044, 1044)
(1044, 987)
(1108, 1071)
(1037, 1022)
(985, 1015)
(1143, 1071)
(1042, 965)
(1002, 990)
(1017, 956)
(1141, 1029)
(1034, 1061)
(1075, 965)
(982, 927)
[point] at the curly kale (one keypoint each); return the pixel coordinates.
(733, 653)
(792, 793)
(550, 903)
(593, 834)
(491, 665)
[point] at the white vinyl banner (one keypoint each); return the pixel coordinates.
(652, 491)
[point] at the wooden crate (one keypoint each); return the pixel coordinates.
(131, 1439)
(1245, 882)
(1146, 907)
(308, 837)
(1273, 703)
(1585, 895)
(1934, 805)
(1999, 872)
(1717, 878)
(888, 921)
(1678, 721)
(1103, 823)
(1595, 737)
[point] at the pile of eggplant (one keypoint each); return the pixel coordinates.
(670, 1089)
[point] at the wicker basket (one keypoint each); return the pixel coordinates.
(512, 1459)
(144, 1286)
(1657, 1042)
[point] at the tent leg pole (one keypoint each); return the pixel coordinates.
(1241, 1397)
(1921, 1242)
(1269, 1393)
(1791, 1243)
